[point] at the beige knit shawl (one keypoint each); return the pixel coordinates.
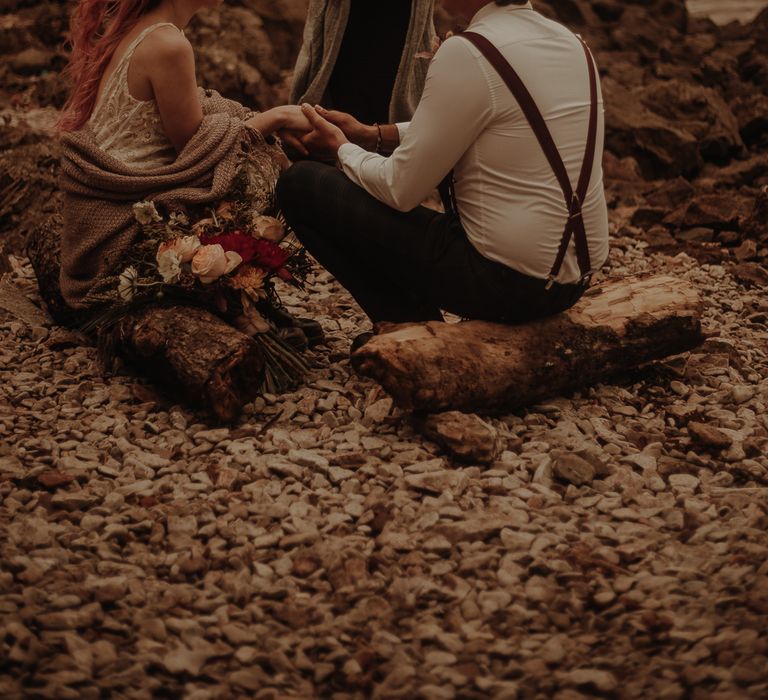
(100, 191)
(323, 34)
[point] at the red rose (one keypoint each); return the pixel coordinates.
(259, 251)
(269, 255)
(237, 241)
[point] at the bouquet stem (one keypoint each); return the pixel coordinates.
(284, 366)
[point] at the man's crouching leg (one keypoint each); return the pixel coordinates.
(339, 223)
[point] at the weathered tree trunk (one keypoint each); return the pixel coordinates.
(477, 365)
(188, 350)
(195, 354)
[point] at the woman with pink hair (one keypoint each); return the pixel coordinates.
(137, 127)
(134, 84)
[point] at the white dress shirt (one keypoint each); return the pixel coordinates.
(511, 205)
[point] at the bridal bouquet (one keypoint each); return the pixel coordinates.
(215, 255)
(225, 258)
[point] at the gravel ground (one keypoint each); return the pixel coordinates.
(323, 548)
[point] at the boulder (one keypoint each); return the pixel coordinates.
(466, 436)
(716, 211)
(700, 111)
(661, 148)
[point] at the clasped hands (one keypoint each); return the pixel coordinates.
(323, 132)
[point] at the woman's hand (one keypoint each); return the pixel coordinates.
(295, 125)
(289, 123)
(289, 118)
(294, 119)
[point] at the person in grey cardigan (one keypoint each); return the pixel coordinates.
(362, 57)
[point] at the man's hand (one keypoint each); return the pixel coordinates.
(325, 139)
(292, 145)
(358, 133)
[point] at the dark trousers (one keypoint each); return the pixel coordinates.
(404, 267)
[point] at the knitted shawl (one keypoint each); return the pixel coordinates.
(323, 34)
(100, 191)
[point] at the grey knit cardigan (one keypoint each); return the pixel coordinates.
(323, 33)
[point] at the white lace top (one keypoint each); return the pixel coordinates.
(127, 128)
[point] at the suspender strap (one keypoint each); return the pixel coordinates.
(447, 193)
(574, 225)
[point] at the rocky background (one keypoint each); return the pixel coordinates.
(612, 543)
(686, 107)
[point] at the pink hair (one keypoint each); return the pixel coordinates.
(96, 29)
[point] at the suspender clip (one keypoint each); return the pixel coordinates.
(586, 279)
(550, 282)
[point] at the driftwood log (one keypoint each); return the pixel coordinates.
(477, 366)
(195, 355)
(189, 351)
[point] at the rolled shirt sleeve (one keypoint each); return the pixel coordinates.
(454, 109)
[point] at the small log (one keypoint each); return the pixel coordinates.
(194, 354)
(191, 352)
(477, 366)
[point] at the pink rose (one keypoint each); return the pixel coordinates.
(185, 247)
(211, 262)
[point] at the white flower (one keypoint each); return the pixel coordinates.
(211, 262)
(126, 286)
(185, 247)
(169, 265)
(268, 227)
(145, 213)
(177, 219)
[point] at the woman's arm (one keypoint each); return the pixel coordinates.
(170, 66)
(287, 118)
(174, 84)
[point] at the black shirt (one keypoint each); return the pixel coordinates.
(369, 58)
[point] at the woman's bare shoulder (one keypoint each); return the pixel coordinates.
(165, 43)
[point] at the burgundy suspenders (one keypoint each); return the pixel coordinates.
(574, 225)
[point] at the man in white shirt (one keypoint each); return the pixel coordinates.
(520, 237)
